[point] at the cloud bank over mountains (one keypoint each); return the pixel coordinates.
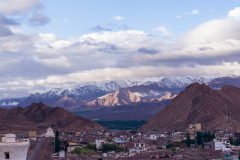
(33, 62)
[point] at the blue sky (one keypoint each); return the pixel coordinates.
(137, 14)
(49, 43)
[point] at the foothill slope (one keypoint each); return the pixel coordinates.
(198, 103)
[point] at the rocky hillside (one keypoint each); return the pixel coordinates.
(119, 97)
(199, 103)
(39, 117)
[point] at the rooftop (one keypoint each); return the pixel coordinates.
(119, 141)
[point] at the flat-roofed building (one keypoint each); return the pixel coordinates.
(12, 149)
(32, 134)
(195, 127)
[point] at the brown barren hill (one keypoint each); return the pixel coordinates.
(199, 103)
(119, 97)
(39, 117)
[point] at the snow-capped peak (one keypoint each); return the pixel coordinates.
(110, 86)
(178, 82)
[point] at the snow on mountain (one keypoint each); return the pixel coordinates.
(110, 86)
(87, 88)
(179, 82)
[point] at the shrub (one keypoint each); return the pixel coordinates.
(110, 147)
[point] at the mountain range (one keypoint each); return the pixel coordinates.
(86, 93)
(112, 97)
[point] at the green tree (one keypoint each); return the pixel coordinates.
(209, 136)
(79, 150)
(57, 145)
(230, 140)
(205, 135)
(213, 136)
(57, 134)
(91, 146)
(236, 142)
(188, 141)
(199, 138)
(169, 145)
(110, 147)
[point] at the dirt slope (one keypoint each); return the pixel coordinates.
(198, 103)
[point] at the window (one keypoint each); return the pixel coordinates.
(6, 155)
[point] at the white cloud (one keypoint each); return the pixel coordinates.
(164, 31)
(187, 13)
(118, 18)
(49, 37)
(137, 72)
(214, 31)
(235, 13)
(61, 61)
(178, 16)
(18, 6)
(118, 38)
(195, 11)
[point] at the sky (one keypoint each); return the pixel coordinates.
(54, 43)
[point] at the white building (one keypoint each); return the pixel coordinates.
(50, 132)
(153, 137)
(220, 145)
(100, 142)
(12, 149)
(60, 154)
(140, 147)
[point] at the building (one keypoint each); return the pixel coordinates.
(12, 149)
(218, 145)
(32, 134)
(153, 137)
(195, 127)
(120, 142)
(4, 139)
(50, 132)
(140, 147)
(72, 146)
(58, 156)
(99, 143)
